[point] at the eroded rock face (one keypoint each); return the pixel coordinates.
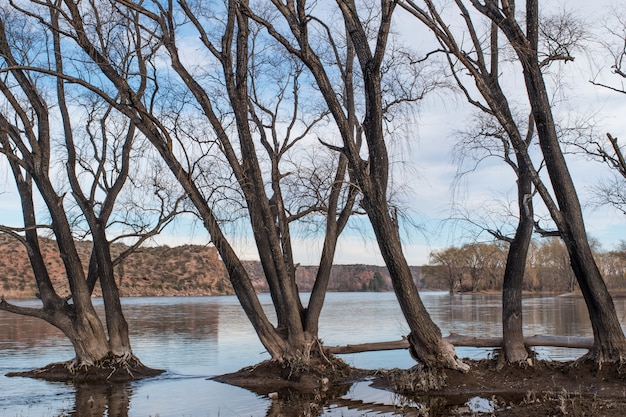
(188, 270)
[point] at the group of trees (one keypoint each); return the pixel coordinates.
(277, 118)
(480, 267)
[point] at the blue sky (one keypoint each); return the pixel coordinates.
(429, 171)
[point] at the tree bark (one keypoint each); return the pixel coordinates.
(427, 344)
(26, 142)
(609, 340)
(512, 316)
(371, 175)
(101, 263)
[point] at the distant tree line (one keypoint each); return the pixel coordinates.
(480, 267)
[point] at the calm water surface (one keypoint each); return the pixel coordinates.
(197, 338)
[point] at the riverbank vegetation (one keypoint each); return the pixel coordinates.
(195, 270)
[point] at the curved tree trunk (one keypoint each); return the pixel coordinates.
(512, 323)
(426, 342)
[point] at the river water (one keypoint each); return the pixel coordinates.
(195, 338)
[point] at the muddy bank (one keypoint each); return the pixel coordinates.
(271, 377)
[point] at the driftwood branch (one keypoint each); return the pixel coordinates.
(576, 342)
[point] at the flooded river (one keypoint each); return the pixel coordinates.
(196, 338)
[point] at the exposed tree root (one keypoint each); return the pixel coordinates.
(500, 357)
(417, 379)
(598, 361)
(110, 369)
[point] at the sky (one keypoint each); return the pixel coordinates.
(428, 158)
(434, 191)
(430, 175)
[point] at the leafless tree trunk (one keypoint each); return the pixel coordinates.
(371, 174)
(119, 341)
(484, 69)
(30, 163)
(512, 322)
(609, 340)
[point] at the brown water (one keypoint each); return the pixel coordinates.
(196, 338)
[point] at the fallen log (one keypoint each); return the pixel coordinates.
(575, 342)
(368, 347)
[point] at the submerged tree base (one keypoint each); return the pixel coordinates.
(110, 369)
(272, 376)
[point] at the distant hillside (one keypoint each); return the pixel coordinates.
(189, 270)
(152, 271)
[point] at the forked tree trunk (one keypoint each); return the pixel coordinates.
(427, 344)
(609, 340)
(86, 333)
(30, 164)
(85, 329)
(79, 322)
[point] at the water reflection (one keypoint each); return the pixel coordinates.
(21, 332)
(197, 338)
(293, 403)
(102, 400)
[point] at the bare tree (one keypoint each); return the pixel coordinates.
(565, 210)
(225, 143)
(473, 266)
(96, 175)
(361, 52)
(498, 130)
(448, 258)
